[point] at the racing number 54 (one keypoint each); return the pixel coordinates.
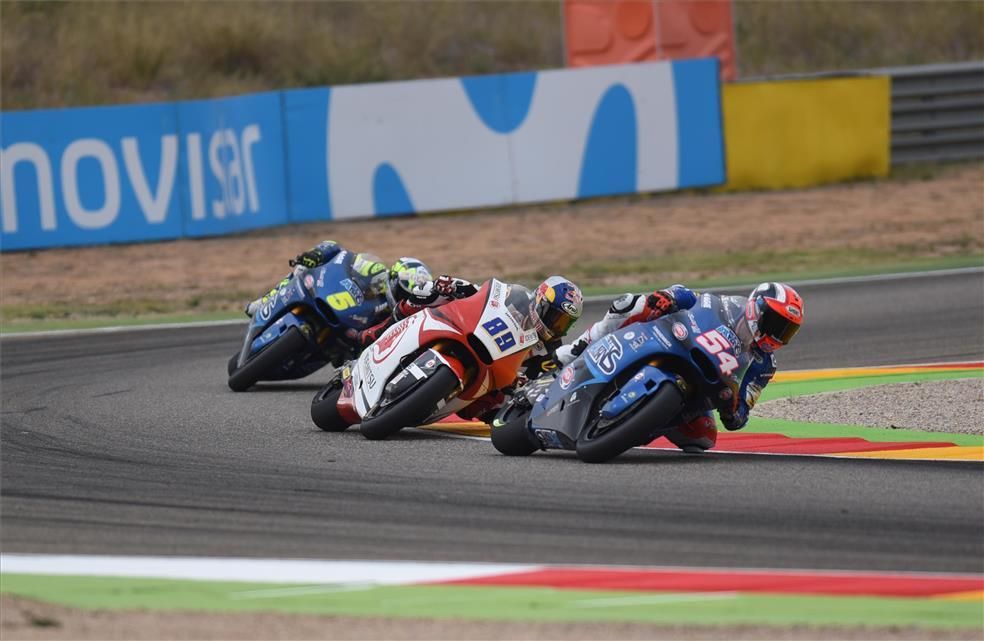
(718, 345)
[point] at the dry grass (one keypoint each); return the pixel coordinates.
(79, 53)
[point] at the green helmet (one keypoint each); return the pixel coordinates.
(405, 274)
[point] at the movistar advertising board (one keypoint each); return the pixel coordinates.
(196, 168)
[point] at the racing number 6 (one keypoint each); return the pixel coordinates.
(495, 328)
(718, 345)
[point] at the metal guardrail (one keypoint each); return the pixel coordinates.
(937, 112)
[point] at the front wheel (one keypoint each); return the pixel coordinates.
(412, 409)
(595, 446)
(265, 363)
(512, 436)
(324, 409)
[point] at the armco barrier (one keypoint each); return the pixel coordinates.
(806, 132)
(150, 172)
(937, 112)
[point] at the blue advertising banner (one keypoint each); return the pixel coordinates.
(207, 167)
(306, 128)
(93, 175)
(234, 164)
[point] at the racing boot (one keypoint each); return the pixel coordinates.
(695, 436)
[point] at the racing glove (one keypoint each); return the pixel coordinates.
(660, 303)
(684, 297)
(309, 259)
(667, 301)
(444, 285)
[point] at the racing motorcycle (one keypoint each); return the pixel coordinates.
(299, 329)
(628, 388)
(431, 364)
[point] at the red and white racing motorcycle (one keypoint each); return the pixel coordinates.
(432, 364)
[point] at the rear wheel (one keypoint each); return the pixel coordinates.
(513, 437)
(262, 365)
(324, 409)
(597, 446)
(412, 409)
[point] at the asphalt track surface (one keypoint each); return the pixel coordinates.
(131, 443)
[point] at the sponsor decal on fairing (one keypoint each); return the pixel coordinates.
(679, 331)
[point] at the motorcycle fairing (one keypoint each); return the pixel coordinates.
(452, 322)
(559, 414)
(343, 291)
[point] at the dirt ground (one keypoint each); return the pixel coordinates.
(28, 620)
(610, 241)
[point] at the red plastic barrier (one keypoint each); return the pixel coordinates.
(601, 32)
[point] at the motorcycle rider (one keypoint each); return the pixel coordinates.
(409, 289)
(628, 309)
(365, 264)
(764, 322)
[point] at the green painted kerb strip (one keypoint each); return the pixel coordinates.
(496, 603)
(799, 429)
(784, 389)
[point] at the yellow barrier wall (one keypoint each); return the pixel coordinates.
(806, 132)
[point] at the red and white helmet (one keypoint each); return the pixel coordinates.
(774, 313)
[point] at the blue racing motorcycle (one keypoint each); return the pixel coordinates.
(300, 326)
(629, 387)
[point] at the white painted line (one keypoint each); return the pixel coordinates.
(54, 333)
(843, 280)
(653, 599)
(589, 299)
(313, 574)
(252, 570)
(968, 364)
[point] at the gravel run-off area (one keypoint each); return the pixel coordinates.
(955, 406)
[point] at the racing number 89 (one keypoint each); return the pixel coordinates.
(495, 328)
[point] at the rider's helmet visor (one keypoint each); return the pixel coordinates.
(777, 322)
(557, 321)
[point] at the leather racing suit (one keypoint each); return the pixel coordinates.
(432, 293)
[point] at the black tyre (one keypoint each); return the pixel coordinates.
(597, 447)
(324, 409)
(267, 361)
(231, 367)
(413, 408)
(513, 437)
